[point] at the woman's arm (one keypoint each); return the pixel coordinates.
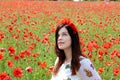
(87, 71)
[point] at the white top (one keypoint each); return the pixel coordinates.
(86, 71)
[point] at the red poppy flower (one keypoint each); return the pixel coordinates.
(108, 63)
(100, 70)
(31, 46)
(16, 57)
(90, 46)
(4, 76)
(24, 52)
(11, 50)
(90, 55)
(118, 54)
(13, 21)
(29, 69)
(100, 52)
(10, 63)
(1, 55)
(50, 69)
(38, 63)
(2, 49)
(116, 71)
(69, 23)
(95, 45)
(114, 53)
(43, 65)
(1, 35)
(45, 39)
(27, 52)
(36, 54)
(10, 27)
(18, 72)
(107, 45)
(16, 36)
(1, 18)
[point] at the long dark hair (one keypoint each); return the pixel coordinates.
(76, 50)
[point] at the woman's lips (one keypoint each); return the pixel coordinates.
(60, 43)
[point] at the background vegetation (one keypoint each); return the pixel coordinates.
(27, 37)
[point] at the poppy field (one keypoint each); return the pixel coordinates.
(27, 30)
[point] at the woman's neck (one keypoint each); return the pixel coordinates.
(68, 54)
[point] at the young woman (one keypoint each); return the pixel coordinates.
(70, 63)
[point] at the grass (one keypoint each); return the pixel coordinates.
(25, 24)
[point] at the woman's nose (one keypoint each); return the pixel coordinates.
(60, 37)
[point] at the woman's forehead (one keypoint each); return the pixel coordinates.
(63, 30)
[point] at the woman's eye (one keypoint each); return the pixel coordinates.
(64, 34)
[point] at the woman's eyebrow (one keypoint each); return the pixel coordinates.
(63, 33)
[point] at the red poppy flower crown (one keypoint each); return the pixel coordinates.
(69, 23)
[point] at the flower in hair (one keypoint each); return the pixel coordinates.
(69, 23)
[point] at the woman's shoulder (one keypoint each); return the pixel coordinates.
(84, 60)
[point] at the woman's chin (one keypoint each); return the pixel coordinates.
(61, 48)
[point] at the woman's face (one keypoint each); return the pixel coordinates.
(64, 39)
